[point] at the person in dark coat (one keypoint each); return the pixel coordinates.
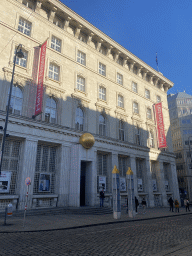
(136, 204)
(102, 196)
(170, 201)
(144, 205)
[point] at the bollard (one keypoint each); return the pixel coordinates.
(8, 212)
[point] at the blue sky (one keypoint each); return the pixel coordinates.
(147, 27)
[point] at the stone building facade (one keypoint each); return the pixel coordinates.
(180, 110)
(91, 84)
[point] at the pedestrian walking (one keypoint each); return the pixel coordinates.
(144, 205)
(186, 203)
(102, 196)
(176, 205)
(170, 201)
(136, 204)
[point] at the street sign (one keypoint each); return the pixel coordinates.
(28, 181)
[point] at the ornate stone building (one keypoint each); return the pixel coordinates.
(91, 84)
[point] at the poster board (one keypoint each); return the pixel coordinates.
(102, 183)
(44, 182)
(5, 180)
(154, 184)
(139, 185)
(122, 184)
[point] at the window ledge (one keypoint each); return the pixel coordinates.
(103, 101)
(45, 196)
(53, 80)
(79, 91)
(123, 109)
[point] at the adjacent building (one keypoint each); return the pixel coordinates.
(180, 110)
(91, 85)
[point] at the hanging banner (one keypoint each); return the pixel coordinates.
(39, 96)
(160, 125)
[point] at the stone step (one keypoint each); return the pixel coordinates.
(64, 210)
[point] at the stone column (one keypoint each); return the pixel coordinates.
(139, 71)
(52, 14)
(38, 6)
(78, 30)
(74, 177)
(144, 74)
(165, 86)
(90, 38)
(161, 183)
(27, 166)
(131, 65)
(63, 175)
(99, 44)
(66, 23)
(174, 181)
(148, 183)
(109, 50)
(125, 61)
(116, 56)
(133, 168)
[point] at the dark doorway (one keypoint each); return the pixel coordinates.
(82, 183)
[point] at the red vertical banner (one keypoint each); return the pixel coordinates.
(160, 125)
(39, 96)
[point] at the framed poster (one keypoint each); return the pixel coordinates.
(5, 180)
(122, 184)
(166, 185)
(139, 185)
(154, 183)
(102, 183)
(44, 182)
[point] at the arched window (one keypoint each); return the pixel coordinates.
(102, 125)
(151, 139)
(79, 119)
(16, 101)
(121, 130)
(50, 110)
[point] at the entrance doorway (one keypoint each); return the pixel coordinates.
(82, 183)
(85, 184)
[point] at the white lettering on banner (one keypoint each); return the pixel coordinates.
(39, 96)
(160, 125)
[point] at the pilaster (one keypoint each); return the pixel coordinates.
(148, 183)
(66, 23)
(133, 168)
(27, 170)
(90, 36)
(78, 30)
(52, 13)
(161, 183)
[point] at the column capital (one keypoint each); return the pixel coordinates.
(90, 36)
(99, 42)
(66, 23)
(109, 47)
(52, 13)
(78, 30)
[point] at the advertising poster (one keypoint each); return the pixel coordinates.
(5, 180)
(44, 182)
(154, 182)
(122, 184)
(102, 183)
(139, 184)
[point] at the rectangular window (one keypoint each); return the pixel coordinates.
(81, 57)
(147, 94)
(134, 87)
(56, 44)
(120, 101)
(119, 79)
(158, 99)
(22, 61)
(123, 165)
(54, 72)
(149, 115)
(44, 180)
(135, 108)
(102, 173)
(24, 26)
(102, 69)
(102, 93)
(80, 83)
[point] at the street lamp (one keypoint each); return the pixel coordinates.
(19, 54)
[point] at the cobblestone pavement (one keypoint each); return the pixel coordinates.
(153, 237)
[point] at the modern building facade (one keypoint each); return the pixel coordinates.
(180, 110)
(91, 85)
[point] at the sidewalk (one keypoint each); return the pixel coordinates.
(68, 221)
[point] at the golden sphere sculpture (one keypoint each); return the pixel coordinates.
(87, 140)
